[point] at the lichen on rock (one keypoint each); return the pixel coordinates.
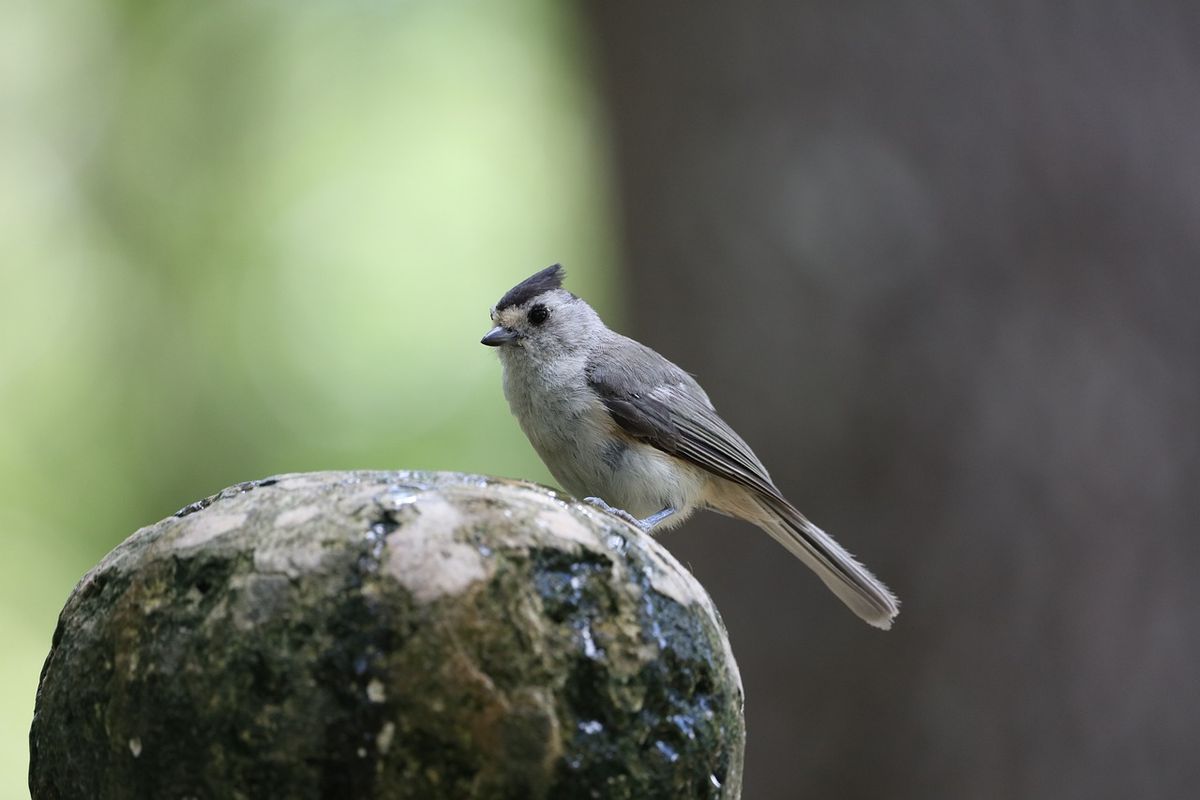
(388, 635)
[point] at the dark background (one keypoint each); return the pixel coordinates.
(938, 262)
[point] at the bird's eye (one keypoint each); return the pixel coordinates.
(538, 314)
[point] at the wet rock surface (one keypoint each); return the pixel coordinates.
(388, 635)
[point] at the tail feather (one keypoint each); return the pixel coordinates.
(853, 583)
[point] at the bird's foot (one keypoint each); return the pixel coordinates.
(617, 512)
(645, 525)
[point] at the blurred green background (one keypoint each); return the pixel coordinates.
(238, 239)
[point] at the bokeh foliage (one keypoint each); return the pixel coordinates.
(246, 238)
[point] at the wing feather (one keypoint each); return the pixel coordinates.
(663, 406)
(671, 412)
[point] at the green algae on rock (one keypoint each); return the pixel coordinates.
(388, 635)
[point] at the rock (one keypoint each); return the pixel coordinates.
(388, 635)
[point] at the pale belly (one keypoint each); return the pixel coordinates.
(589, 456)
(626, 474)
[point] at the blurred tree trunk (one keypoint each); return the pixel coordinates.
(939, 263)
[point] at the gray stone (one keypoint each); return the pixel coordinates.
(388, 635)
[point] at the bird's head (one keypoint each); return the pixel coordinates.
(539, 319)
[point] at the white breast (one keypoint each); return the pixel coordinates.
(585, 450)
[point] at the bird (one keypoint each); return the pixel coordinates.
(623, 428)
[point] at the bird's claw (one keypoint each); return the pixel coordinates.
(617, 512)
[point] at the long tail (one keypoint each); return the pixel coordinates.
(849, 580)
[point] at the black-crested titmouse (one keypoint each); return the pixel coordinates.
(618, 424)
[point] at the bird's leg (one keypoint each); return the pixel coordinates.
(655, 518)
(642, 524)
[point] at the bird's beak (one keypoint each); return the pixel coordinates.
(498, 335)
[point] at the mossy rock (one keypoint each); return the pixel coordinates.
(388, 635)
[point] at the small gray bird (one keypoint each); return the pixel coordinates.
(616, 423)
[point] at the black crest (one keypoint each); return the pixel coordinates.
(549, 278)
